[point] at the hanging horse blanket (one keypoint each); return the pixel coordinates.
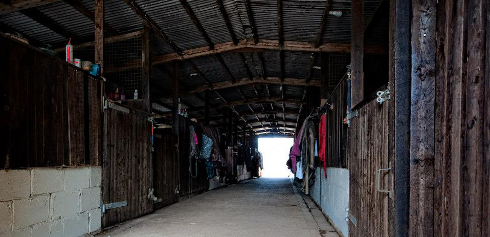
(322, 134)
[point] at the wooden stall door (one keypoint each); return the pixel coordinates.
(127, 171)
(368, 153)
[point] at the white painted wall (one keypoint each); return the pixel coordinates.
(53, 202)
(332, 195)
(243, 173)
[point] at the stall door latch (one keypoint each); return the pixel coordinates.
(383, 96)
(378, 181)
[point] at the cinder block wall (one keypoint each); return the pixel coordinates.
(332, 195)
(51, 202)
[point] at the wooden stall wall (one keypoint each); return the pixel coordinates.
(368, 151)
(449, 181)
(165, 171)
(336, 128)
(188, 184)
(127, 169)
(50, 111)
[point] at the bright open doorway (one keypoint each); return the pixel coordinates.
(275, 152)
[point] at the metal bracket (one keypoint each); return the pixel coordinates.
(383, 96)
(378, 180)
(151, 196)
(351, 114)
(112, 105)
(113, 205)
(350, 217)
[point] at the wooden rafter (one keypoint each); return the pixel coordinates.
(152, 24)
(205, 35)
(77, 5)
(263, 44)
(382, 6)
(323, 24)
(107, 40)
(224, 14)
(46, 21)
(265, 100)
(255, 81)
(17, 5)
(250, 15)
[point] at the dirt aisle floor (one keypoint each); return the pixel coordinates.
(253, 208)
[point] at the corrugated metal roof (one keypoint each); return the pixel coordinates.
(301, 22)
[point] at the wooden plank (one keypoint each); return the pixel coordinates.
(474, 113)
(440, 125)
(99, 34)
(422, 122)
(75, 103)
(357, 52)
(453, 142)
(486, 132)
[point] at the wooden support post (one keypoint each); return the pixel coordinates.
(235, 127)
(357, 52)
(324, 90)
(146, 64)
(175, 118)
(206, 107)
(99, 34)
(422, 121)
(175, 97)
(230, 128)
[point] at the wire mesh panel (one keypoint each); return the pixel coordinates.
(337, 67)
(123, 62)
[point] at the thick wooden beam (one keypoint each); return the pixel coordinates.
(146, 66)
(17, 5)
(107, 40)
(263, 44)
(422, 120)
(255, 81)
(357, 52)
(264, 100)
(77, 5)
(99, 34)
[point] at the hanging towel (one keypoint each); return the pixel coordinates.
(322, 134)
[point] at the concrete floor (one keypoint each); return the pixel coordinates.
(259, 207)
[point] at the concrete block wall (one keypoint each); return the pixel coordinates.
(332, 195)
(53, 202)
